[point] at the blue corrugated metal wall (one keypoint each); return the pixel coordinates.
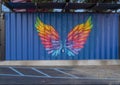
(23, 43)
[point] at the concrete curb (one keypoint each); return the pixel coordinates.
(60, 62)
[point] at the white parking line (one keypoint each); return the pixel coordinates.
(83, 78)
(38, 68)
(65, 73)
(40, 72)
(55, 77)
(21, 74)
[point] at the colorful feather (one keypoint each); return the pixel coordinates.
(49, 37)
(77, 37)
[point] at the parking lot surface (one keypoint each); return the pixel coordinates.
(91, 75)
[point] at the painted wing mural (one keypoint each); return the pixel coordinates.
(77, 37)
(73, 44)
(49, 37)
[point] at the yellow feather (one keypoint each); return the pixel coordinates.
(88, 24)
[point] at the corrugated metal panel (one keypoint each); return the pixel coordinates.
(23, 43)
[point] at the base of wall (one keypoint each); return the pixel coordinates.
(60, 62)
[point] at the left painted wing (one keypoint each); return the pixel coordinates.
(49, 37)
(77, 37)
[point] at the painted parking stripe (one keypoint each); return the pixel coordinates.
(36, 76)
(37, 67)
(83, 78)
(21, 74)
(65, 73)
(40, 72)
(40, 68)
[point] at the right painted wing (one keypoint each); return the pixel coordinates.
(78, 37)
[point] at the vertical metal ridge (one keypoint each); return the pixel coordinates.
(10, 23)
(15, 33)
(119, 38)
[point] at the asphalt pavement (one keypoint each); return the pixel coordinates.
(79, 75)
